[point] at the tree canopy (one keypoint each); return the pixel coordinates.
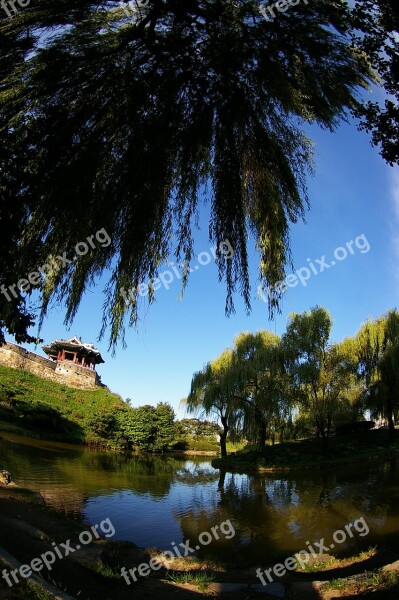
(321, 373)
(127, 124)
(302, 384)
(260, 381)
(378, 355)
(243, 388)
(375, 32)
(147, 427)
(213, 393)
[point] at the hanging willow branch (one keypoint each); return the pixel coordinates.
(124, 124)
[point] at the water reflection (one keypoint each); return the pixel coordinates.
(157, 500)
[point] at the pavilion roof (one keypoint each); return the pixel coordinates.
(75, 344)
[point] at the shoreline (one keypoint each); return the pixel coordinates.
(316, 465)
(28, 527)
(303, 455)
(97, 445)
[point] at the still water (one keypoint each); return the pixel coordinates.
(157, 500)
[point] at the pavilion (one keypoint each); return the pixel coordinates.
(74, 350)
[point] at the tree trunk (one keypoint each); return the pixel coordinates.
(325, 440)
(391, 424)
(223, 437)
(222, 477)
(261, 441)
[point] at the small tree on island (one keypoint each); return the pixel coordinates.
(212, 393)
(148, 428)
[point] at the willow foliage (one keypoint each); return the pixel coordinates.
(126, 123)
(213, 388)
(244, 387)
(378, 352)
(261, 384)
(375, 32)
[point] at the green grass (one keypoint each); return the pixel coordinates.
(367, 582)
(235, 447)
(308, 453)
(316, 566)
(331, 562)
(205, 445)
(201, 579)
(335, 584)
(105, 571)
(43, 408)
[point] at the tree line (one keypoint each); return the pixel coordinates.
(300, 384)
(154, 429)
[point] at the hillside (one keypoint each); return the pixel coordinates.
(35, 406)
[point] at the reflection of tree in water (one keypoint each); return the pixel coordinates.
(325, 497)
(65, 473)
(243, 501)
(274, 516)
(196, 475)
(142, 473)
(311, 503)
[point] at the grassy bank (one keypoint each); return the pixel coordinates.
(304, 454)
(41, 408)
(48, 410)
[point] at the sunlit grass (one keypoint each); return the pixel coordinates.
(367, 582)
(105, 571)
(201, 579)
(306, 453)
(334, 563)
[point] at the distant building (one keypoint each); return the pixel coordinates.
(74, 350)
(71, 362)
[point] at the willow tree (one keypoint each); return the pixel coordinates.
(213, 394)
(127, 121)
(378, 349)
(322, 374)
(375, 29)
(260, 384)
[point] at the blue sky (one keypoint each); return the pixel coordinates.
(353, 193)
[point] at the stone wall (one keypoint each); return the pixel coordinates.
(81, 376)
(65, 372)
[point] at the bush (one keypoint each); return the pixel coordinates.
(180, 445)
(204, 445)
(102, 424)
(356, 427)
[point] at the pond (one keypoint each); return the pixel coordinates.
(160, 500)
